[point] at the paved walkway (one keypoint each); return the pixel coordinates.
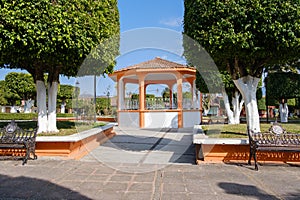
(146, 146)
(119, 176)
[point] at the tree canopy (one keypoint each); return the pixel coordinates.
(3, 100)
(244, 36)
(55, 37)
(66, 92)
(283, 85)
(20, 85)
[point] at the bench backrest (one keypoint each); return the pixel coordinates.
(13, 133)
(276, 136)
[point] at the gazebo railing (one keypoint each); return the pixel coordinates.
(157, 103)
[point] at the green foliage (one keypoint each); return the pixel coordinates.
(261, 104)
(210, 81)
(166, 94)
(291, 102)
(297, 103)
(136, 96)
(243, 36)
(102, 104)
(282, 85)
(65, 92)
(3, 100)
(55, 37)
(19, 86)
(239, 130)
(64, 115)
(18, 116)
(65, 127)
(187, 95)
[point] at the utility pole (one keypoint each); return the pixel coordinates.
(95, 96)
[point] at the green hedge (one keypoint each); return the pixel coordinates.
(65, 115)
(18, 116)
(27, 116)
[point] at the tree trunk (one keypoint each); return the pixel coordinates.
(52, 97)
(237, 107)
(227, 107)
(42, 108)
(233, 115)
(247, 85)
(63, 107)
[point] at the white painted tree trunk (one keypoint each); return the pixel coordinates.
(63, 107)
(233, 115)
(247, 86)
(52, 97)
(28, 105)
(13, 109)
(42, 108)
(227, 107)
(237, 107)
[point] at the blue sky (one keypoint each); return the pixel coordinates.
(134, 15)
(151, 13)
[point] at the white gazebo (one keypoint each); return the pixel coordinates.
(181, 108)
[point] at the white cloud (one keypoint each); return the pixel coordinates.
(172, 22)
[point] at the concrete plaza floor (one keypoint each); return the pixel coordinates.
(145, 164)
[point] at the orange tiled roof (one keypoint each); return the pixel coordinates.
(156, 63)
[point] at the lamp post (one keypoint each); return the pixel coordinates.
(77, 96)
(95, 96)
(107, 100)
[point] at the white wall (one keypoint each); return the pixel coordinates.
(161, 120)
(191, 118)
(129, 119)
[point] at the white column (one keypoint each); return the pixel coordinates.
(121, 93)
(193, 91)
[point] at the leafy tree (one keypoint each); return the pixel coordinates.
(282, 85)
(103, 105)
(55, 37)
(20, 85)
(233, 102)
(65, 92)
(3, 100)
(166, 94)
(243, 37)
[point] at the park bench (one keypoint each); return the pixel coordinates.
(277, 139)
(14, 141)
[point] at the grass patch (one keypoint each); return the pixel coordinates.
(28, 116)
(65, 127)
(239, 130)
(17, 116)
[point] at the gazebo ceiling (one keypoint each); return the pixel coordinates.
(158, 77)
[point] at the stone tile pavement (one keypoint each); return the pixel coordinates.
(48, 178)
(146, 165)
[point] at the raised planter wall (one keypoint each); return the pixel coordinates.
(75, 146)
(232, 152)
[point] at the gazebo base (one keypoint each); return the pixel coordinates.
(159, 118)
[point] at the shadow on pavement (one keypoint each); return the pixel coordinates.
(245, 190)
(251, 167)
(253, 191)
(183, 151)
(31, 188)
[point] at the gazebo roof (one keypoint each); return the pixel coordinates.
(156, 63)
(162, 69)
